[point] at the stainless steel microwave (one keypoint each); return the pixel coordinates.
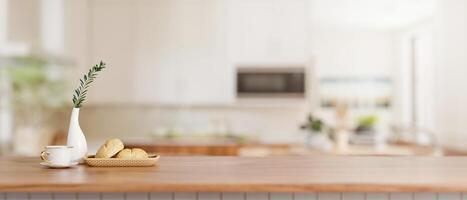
(288, 82)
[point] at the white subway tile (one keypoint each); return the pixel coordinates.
(17, 196)
(65, 196)
(257, 196)
(113, 196)
(89, 196)
(281, 196)
(306, 196)
(233, 196)
(209, 196)
(161, 195)
(425, 196)
(353, 196)
(450, 196)
(40, 196)
(185, 196)
(377, 196)
(137, 196)
(329, 196)
(402, 196)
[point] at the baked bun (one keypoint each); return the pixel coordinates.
(135, 153)
(109, 148)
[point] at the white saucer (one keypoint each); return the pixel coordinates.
(47, 164)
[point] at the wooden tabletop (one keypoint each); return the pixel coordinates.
(241, 174)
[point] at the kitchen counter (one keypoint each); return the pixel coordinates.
(240, 174)
(256, 149)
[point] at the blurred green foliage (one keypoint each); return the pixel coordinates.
(38, 88)
(313, 124)
(28, 72)
(367, 121)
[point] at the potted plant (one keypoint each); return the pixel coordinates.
(316, 135)
(366, 132)
(365, 124)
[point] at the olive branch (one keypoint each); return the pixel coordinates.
(80, 93)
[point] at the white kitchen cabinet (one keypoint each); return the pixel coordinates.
(186, 51)
(181, 52)
(268, 31)
(111, 39)
(158, 51)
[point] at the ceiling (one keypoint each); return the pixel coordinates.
(370, 14)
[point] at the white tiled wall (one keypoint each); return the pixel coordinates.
(232, 196)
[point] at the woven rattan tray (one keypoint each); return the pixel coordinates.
(118, 162)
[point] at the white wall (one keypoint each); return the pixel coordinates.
(450, 72)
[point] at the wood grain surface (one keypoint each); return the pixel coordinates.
(241, 174)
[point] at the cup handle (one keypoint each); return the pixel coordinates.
(44, 155)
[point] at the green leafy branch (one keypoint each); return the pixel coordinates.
(80, 93)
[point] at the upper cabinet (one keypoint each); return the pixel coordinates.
(166, 52)
(186, 51)
(181, 52)
(268, 31)
(111, 32)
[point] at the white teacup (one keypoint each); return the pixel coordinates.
(57, 155)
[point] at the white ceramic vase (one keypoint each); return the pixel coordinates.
(76, 138)
(318, 141)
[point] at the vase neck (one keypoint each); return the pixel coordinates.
(75, 113)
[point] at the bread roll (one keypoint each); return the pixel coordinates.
(110, 148)
(135, 153)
